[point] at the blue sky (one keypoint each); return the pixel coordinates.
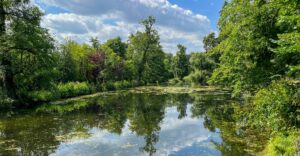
(209, 8)
(178, 21)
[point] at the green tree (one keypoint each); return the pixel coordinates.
(117, 46)
(247, 30)
(95, 42)
(146, 52)
(180, 63)
(201, 66)
(210, 41)
(67, 64)
(25, 48)
(287, 59)
(74, 62)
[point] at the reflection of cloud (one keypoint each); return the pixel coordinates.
(176, 135)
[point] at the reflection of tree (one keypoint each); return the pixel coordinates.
(227, 117)
(114, 111)
(41, 131)
(34, 135)
(181, 101)
(145, 117)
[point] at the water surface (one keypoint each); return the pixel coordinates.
(206, 124)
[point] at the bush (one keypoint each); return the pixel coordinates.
(122, 85)
(197, 77)
(43, 95)
(118, 85)
(107, 86)
(72, 89)
(275, 107)
(283, 144)
(175, 81)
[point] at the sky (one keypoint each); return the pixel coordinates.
(183, 22)
(176, 137)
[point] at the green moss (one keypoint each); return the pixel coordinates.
(174, 90)
(148, 89)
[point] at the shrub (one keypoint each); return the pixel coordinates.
(42, 95)
(283, 144)
(107, 86)
(275, 107)
(175, 81)
(72, 89)
(122, 85)
(197, 77)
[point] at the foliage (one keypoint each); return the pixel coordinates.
(197, 77)
(122, 84)
(25, 49)
(258, 41)
(175, 81)
(62, 90)
(5, 101)
(180, 63)
(145, 51)
(72, 89)
(276, 107)
(74, 65)
(95, 42)
(117, 46)
(201, 66)
(286, 144)
(43, 95)
(210, 41)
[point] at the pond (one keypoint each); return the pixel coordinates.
(127, 124)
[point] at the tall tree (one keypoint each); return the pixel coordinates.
(95, 42)
(247, 30)
(146, 52)
(180, 63)
(22, 37)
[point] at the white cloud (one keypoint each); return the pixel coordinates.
(175, 135)
(106, 19)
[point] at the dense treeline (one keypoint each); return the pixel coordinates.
(33, 68)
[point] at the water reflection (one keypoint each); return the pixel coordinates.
(132, 124)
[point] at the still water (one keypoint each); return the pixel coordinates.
(129, 124)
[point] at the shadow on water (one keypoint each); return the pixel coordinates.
(132, 124)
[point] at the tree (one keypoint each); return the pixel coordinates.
(67, 64)
(74, 60)
(117, 46)
(201, 66)
(95, 42)
(146, 52)
(210, 41)
(25, 47)
(287, 59)
(180, 63)
(247, 30)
